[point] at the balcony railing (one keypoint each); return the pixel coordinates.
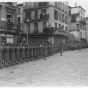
(42, 17)
(83, 22)
(52, 30)
(35, 31)
(19, 26)
(73, 21)
(55, 31)
(9, 26)
(49, 30)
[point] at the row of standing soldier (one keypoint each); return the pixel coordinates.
(46, 50)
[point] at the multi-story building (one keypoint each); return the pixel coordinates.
(77, 25)
(46, 21)
(9, 30)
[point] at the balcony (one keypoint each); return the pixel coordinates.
(44, 16)
(55, 31)
(83, 22)
(35, 31)
(8, 27)
(74, 29)
(49, 30)
(19, 26)
(73, 21)
(41, 18)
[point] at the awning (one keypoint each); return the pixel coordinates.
(72, 38)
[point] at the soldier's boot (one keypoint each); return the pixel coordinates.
(44, 58)
(61, 54)
(9, 63)
(1, 64)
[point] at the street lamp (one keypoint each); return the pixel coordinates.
(27, 30)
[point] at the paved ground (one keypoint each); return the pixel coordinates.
(69, 70)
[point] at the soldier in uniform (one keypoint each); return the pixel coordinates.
(61, 49)
(44, 51)
(84, 46)
(40, 50)
(79, 46)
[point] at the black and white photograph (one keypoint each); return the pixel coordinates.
(43, 43)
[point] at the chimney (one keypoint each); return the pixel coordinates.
(76, 4)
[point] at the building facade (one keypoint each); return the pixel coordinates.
(9, 30)
(77, 24)
(41, 17)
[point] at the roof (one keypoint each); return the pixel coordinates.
(78, 7)
(20, 4)
(72, 37)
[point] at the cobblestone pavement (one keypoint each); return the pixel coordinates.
(71, 69)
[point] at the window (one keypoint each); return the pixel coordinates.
(3, 39)
(59, 5)
(36, 14)
(69, 12)
(59, 16)
(19, 10)
(44, 24)
(62, 17)
(62, 6)
(55, 25)
(66, 29)
(62, 27)
(73, 19)
(77, 25)
(81, 26)
(43, 11)
(55, 14)
(66, 19)
(55, 4)
(59, 26)
(65, 8)
(9, 17)
(9, 40)
(29, 15)
(80, 34)
(85, 35)
(81, 18)
(40, 3)
(43, 4)
(18, 20)
(35, 26)
(10, 3)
